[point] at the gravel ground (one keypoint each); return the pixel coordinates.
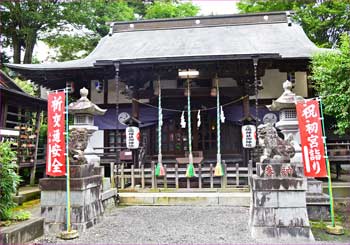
(170, 225)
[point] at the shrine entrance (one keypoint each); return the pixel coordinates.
(204, 137)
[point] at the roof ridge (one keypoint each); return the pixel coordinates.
(201, 21)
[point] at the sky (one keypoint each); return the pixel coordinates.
(207, 7)
(216, 7)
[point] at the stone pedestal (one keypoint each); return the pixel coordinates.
(278, 208)
(318, 206)
(86, 202)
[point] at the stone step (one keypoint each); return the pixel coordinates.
(314, 199)
(241, 199)
(27, 193)
(185, 190)
(340, 190)
(22, 232)
(314, 186)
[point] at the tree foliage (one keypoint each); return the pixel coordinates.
(330, 73)
(9, 180)
(322, 21)
(85, 24)
(21, 24)
(166, 9)
(74, 27)
(253, 6)
(26, 86)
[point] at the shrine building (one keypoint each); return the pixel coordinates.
(248, 56)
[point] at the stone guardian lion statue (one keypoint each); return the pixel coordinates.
(274, 147)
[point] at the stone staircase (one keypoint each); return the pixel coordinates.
(317, 202)
(201, 197)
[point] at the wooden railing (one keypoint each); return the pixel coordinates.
(338, 154)
(175, 176)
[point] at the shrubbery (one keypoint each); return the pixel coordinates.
(9, 180)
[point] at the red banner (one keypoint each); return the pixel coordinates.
(55, 157)
(311, 138)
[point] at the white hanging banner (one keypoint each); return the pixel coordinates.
(248, 136)
(132, 137)
(161, 117)
(199, 119)
(222, 116)
(183, 122)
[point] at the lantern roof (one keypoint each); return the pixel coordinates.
(85, 106)
(287, 100)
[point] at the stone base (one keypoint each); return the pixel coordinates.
(278, 207)
(86, 202)
(22, 232)
(69, 235)
(317, 203)
(335, 230)
(282, 233)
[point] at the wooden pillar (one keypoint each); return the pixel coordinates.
(117, 82)
(3, 110)
(135, 113)
(135, 108)
(246, 114)
(37, 130)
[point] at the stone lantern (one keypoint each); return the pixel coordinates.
(317, 201)
(84, 111)
(85, 175)
(288, 121)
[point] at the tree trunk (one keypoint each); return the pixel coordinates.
(30, 43)
(16, 45)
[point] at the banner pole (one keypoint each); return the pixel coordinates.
(337, 230)
(159, 168)
(218, 168)
(67, 166)
(190, 172)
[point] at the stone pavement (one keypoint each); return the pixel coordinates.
(170, 225)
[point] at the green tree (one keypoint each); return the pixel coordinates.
(170, 9)
(330, 73)
(26, 86)
(323, 22)
(74, 27)
(21, 24)
(253, 6)
(92, 17)
(88, 21)
(9, 180)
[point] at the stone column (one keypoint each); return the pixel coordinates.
(278, 208)
(86, 203)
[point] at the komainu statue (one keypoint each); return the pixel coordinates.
(78, 141)
(274, 147)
